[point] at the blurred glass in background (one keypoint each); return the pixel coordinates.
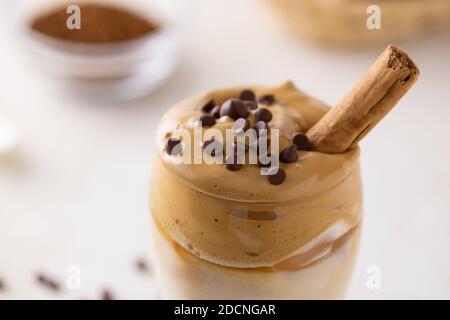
(351, 23)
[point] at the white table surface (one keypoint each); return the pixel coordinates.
(74, 192)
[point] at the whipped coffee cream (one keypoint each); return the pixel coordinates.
(227, 232)
(230, 214)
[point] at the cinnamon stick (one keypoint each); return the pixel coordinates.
(379, 90)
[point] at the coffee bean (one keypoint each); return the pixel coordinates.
(231, 163)
(142, 265)
(209, 105)
(47, 282)
(207, 120)
(241, 125)
(276, 176)
(263, 114)
(267, 99)
(289, 154)
(234, 108)
(215, 112)
(107, 295)
(53, 285)
(301, 141)
(247, 95)
(173, 146)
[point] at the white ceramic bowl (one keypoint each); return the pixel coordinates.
(104, 72)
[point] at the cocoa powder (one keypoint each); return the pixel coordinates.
(99, 24)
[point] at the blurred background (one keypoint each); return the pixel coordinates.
(74, 171)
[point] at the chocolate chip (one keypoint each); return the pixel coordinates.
(289, 154)
(239, 148)
(260, 145)
(263, 114)
(241, 110)
(301, 141)
(47, 282)
(254, 144)
(215, 112)
(251, 105)
(212, 147)
(241, 125)
(276, 176)
(207, 143)
(234, 108)
(227, 109)
(267, 99)
(207, 120)
(267, 161)
(231, 163)
(171, 146)
(261, 125)
(247, 95)
(107, 295)
(209, 105)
